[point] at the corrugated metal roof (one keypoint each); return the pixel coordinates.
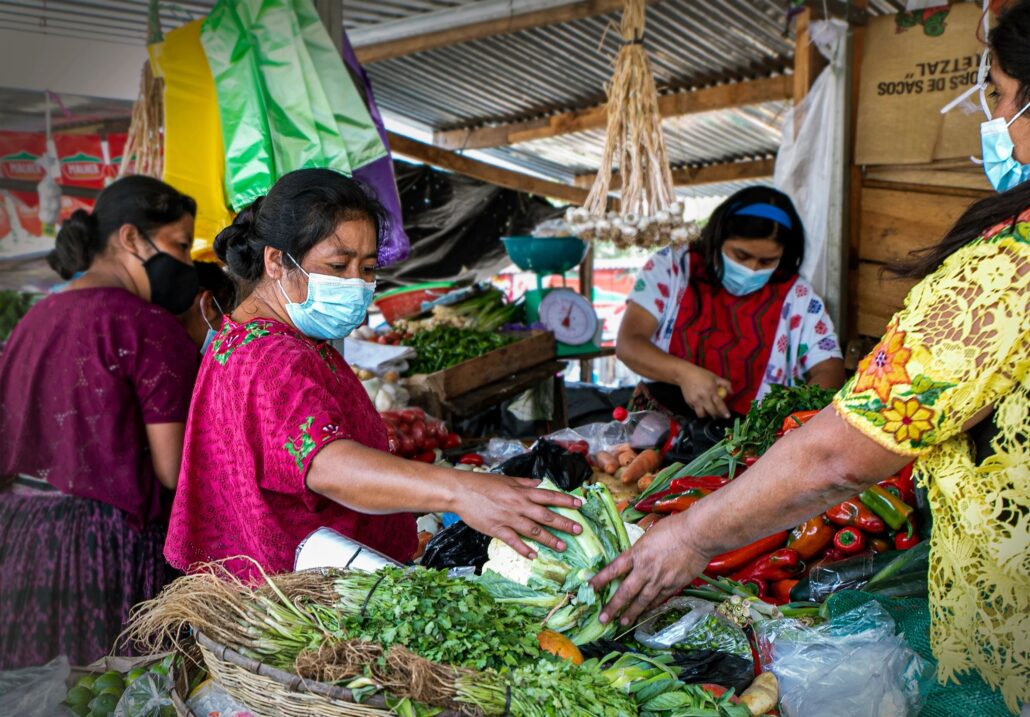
(125, 21)
(530, 73)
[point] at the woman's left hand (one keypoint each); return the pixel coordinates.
(655, 569)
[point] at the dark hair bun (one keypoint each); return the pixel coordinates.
(78, 243)
(238, 247)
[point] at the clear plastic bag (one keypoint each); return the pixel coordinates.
(149, 695)
(35, 691)
(498, 450)
(854, 665)
(210, 700)
(699, 628)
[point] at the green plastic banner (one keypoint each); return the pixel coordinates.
(285, 99)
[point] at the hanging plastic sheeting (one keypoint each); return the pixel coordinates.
(194, 161)
(285, 99)
(379, 174)
(810, 159)
(456, 224)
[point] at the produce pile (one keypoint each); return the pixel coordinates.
(142, 692)
(445, 346)
(879, 521)
(487, 309)
(425, 640)
(412, 434)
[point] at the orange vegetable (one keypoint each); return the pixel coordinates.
(560, 646)
(645, 481)
(607, 462)
(648, 520)
(647, 462)
(621, 505)
(626, 458)
(423, 540)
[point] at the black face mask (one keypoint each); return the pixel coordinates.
(173, 284)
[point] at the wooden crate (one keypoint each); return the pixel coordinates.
(535, 349)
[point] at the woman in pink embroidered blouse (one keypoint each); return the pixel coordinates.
(281, 438)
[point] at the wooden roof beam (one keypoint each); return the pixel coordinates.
(499, 176)
(710, 174)
(474, 21)
(704, 99)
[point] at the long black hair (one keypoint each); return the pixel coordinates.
(144, 202)
(1010, 49)
(725, 224)
(300, 210)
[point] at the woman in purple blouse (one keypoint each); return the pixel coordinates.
(95, 387)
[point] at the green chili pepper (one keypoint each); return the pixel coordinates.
(894, 512)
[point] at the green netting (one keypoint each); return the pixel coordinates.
(970, 697)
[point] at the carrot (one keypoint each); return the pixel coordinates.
(648, 520)
(645, 481)
(627, 457)
(607, 462)
(621, 505)
(647, 462)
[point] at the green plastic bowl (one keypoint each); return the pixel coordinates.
(545, 255)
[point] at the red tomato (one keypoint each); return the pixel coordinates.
(471, 459)
(417, 433)
(408, 446)
(425, 457)
(451, 440)
(716, 690)
(620, 414)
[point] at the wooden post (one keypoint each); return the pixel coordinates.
(854, 189)
(807, 60)
(586, 288)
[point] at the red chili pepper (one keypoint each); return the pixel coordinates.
(647, 504)
(736, 559)
(853, 513)
(750, 460)
(879, 545)
(706, 482)
(796, 420)
(781, 590)
(425, 457)
(811, 537)
(471, 459)
(780, 564)
(849, 540)
(680, 502)
(757, 586)
(674, 432)
(903, 541)
(897, 487)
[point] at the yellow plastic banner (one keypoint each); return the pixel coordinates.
(194, 156)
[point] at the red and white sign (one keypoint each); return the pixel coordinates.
(82, 160)
(19, 155)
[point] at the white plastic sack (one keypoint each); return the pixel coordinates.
(35, 691)
(810, 159)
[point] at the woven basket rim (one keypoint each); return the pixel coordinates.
(293, 682)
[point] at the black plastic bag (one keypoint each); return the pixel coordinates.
(698, 666)
(548, 460)
(457, 546)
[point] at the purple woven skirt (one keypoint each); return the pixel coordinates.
(71, 569)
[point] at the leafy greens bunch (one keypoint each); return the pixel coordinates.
(450, 621)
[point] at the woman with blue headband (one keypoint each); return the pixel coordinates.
(723, 321)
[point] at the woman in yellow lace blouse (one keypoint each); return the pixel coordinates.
(954, 361)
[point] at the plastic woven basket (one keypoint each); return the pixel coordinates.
(271, 692)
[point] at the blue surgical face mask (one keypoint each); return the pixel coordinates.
(741, 281)
(334, 307)
(211, 332)
(1003, 170)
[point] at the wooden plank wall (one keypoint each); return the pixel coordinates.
(894, 220)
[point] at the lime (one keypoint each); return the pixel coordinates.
(80, 710)
(117, 692)
(87, 681)
(160, 669)
(109, 679)
(103, 705)
(134, 674)
(79, 695)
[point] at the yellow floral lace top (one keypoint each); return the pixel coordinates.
(960, 346)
